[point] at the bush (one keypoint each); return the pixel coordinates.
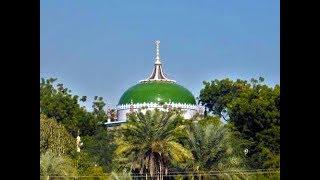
(52, 164)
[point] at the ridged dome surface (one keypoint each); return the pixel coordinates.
(156, 92)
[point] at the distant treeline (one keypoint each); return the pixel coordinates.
(159, 143)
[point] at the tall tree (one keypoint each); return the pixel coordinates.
(218, 93)
(54, 137)
(149, 142)
(256, 115)
(57, 102)
(213, 146)
(253, 109)
(98, 109)
(101, 148)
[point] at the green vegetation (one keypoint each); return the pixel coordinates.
(212, 147)
(52, 164)
(54, 137)
(148, 143)
(61, 119)
(253, 109)
(160, 144)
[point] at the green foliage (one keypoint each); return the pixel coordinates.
(217, 94)
(156, 141)
(87, 166)
(61, 115)
(98, 110)
(101, 148)
(210, 120)
(148, 142)
(264, 176)
(52, 164)
(57, 102)
(212, 146)
(256, 115)
(84, 162)
(253, 109)
(120, 176)
(94, 171)
(54, 137)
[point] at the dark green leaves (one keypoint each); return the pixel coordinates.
(254, 110)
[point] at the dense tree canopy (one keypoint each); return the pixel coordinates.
(153, 142)
(55, 137)
(52, 164)
(63, 119)
(57, 102)
(101, 147)
(217, 94)
(254, 111)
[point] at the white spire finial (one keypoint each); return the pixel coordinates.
(157, 74)
(158, 54)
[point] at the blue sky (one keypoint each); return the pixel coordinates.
(102, 47)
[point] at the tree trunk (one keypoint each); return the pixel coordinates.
(160, 170)
(141, 170)
(152, 165)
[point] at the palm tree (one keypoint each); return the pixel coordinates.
(52, 164)
(212, 146)
(149, 142)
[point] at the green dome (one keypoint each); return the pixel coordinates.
(157, 91)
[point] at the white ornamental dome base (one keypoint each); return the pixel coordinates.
(188, 110)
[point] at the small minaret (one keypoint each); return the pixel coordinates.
(157, 74)
(79, 143)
